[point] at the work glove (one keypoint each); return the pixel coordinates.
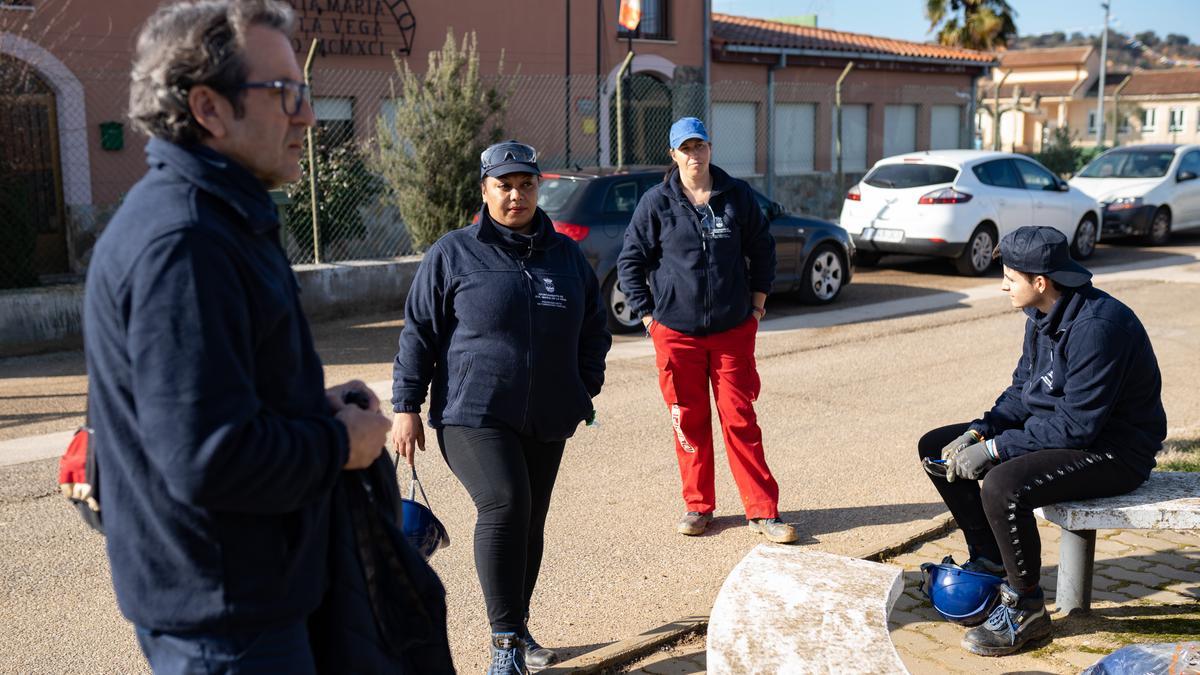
(971, 462)
(968, 438)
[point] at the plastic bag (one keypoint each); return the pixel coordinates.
(1166, 658)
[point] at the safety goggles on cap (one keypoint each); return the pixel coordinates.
(508, 157)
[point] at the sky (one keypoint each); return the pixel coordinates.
(904, 19)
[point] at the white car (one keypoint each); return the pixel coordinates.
(1146, 190)
(959, 203)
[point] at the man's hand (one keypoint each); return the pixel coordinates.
(337, 395)
(408, 434)
(970, 463)
(646, 321)
(368, 433)
(969, 438)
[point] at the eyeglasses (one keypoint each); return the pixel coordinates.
(292, 95)
(506, 153)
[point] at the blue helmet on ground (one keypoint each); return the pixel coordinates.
(960, 596)
(423, 531)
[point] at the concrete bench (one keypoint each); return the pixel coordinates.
(785, 609)
(1167, 501)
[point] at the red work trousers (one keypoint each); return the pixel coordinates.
(686, 366)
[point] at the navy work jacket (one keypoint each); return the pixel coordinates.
(1087, 380)
(218, 449)
(509, 330)
(699, 282)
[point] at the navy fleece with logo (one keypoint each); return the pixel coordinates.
(1087, 380)
(509, 330)
(218, 451)
(700, 283)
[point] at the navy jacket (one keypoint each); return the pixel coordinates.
(217, 446)
(1087, 379)
(698, 285)
(509, 330)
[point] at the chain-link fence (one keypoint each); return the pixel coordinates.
(62, 174)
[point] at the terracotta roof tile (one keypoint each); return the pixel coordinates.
(1162, 82)
(1047, 56)
(739, 30)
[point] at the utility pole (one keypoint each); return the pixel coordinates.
(1103, 72)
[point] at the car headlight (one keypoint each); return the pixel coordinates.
(1124, 203)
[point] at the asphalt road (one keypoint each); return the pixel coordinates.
(847, 390)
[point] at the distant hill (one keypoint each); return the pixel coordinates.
(1141, 50)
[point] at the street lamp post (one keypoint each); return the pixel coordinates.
(1103, 72)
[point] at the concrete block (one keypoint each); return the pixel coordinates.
(786, 609)
(40, 319)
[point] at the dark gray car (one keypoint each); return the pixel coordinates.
(593, 207)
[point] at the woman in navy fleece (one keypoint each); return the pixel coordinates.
(1083, 418)
(504, 320)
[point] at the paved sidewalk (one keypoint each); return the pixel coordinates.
(1147, 589)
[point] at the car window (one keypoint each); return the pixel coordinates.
(1191, 162)
(1035, 177)
(1130, 164)
(999, 173)
(556, 191)
(900, 176)
(622, 197)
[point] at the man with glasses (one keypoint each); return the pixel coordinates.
(218, 443)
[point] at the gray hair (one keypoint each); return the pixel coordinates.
(185, 44)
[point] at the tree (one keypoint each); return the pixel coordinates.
(429, 154)
(344, 185)
(1177, 40)
(1146, 37)
(974, 24)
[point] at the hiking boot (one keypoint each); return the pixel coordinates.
(693, 523)
(508, 655)
(984, 566)
(774, 530)
(537, 657)
(1015, 622)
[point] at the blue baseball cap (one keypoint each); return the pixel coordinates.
(1045, 251)
(685, 129)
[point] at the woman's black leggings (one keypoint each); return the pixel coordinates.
(510, 477)
(996, 513)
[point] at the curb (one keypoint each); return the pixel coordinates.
(622, 652)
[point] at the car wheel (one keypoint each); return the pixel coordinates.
(1160, 228)
(823, 275)
(867, 258)
(620, 315)
(1084, 244)
(976, 256)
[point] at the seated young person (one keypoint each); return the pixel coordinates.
(1082, 418)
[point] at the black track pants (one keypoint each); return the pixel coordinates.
(510, 478)
(996, 513)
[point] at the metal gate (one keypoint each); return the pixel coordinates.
(647, 121)
(32, 234)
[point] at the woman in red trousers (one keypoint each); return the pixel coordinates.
(697, 265)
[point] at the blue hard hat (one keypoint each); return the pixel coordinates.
(960, 596)
(423, 531)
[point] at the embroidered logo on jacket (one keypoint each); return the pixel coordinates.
(548, 297)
